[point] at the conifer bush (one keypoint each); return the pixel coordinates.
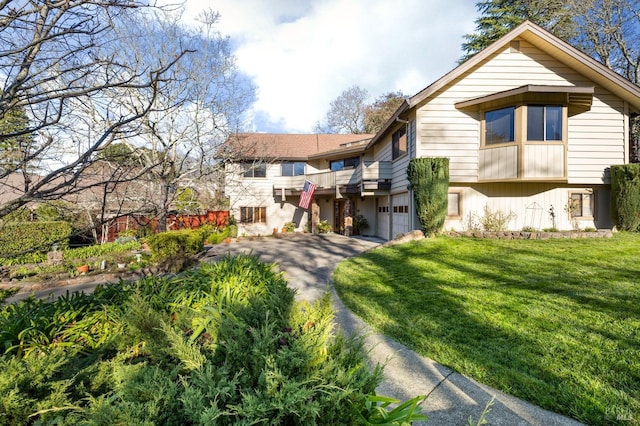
(224, 343)
(625, 196)
(429, 181)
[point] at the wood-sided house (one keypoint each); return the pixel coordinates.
(530, 125)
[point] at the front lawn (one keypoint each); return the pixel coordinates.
(555, 322)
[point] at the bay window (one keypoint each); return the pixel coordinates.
(500, 125)
(544, 123)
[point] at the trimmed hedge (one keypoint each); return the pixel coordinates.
(429, 180)
(625, 196)
(28, 237)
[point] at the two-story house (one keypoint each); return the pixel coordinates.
(530, 126)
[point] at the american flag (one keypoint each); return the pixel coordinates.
(306, 194)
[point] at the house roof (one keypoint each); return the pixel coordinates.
(545, 41)
(269, 146)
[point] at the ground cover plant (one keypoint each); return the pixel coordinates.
(555, 322)
(223, 343)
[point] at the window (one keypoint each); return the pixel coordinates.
(347, 163)
(453, 204)
(253, 215)
(256, 169)
(499, 125)
(399, 143)
(292, 168)
(581, 205)
(544, 123)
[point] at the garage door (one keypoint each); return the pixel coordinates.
(383, 218)
(400, 214)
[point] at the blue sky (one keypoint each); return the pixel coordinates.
(301, 54)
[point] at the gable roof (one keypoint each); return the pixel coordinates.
(545, 41)
(555, 47)
(281, 146)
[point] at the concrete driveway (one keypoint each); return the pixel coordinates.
(307, 260)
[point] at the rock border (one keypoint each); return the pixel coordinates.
(536, 235)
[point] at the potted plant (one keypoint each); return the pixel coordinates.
(359, 223)
(122, 259)
(83, 269)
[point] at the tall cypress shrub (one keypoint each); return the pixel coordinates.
(429, 181)
(625, 196)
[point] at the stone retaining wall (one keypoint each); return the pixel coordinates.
(521, 235)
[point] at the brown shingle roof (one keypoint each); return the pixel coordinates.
(289, 146)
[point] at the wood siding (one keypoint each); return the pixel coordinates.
(529, 203)
(595, 138)
(498, 163)
(543, 161)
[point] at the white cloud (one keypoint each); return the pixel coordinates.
(303, 54)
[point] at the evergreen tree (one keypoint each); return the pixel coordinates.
(15, 140)
(498, 17)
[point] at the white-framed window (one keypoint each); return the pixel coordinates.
(292, 168)
(256, 169)
(253, 215)
(581, 205)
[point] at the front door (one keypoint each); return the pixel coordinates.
(338, 216)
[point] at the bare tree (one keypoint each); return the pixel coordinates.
(610, 33)
(61, 62)
(201, 104)
(346, 113)
(377, 114)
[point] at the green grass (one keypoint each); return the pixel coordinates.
(555, 322)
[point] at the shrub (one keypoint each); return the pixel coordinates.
(222, 344)
(360, 222)
(429, 181)
(39, 237)
(171, 250)
(625, 196)
(494, 221)
(233, 230)
(218, 237)
(290, 226)
(324, 227)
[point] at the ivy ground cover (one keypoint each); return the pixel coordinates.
(554, 322)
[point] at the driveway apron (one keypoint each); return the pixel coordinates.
(308, 262)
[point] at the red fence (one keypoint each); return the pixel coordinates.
(113, 228)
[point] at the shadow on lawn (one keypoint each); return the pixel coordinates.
(422, 303)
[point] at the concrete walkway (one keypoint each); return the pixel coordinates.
(308, 262)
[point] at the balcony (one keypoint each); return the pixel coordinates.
(366, 179)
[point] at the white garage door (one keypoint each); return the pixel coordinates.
(383, 218)
(400, 214)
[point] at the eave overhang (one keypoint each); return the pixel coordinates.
(577, 98)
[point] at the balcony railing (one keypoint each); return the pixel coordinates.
(369, 172)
